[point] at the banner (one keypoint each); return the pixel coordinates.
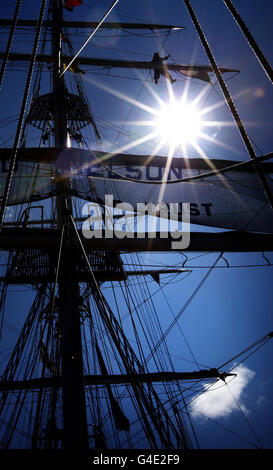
(233, 199)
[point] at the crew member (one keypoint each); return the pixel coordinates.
(161, 68)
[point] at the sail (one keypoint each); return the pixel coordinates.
(31, 181)
(231, 199)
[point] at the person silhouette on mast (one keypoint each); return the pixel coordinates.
(161, 68)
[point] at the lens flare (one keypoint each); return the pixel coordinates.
(178, 124)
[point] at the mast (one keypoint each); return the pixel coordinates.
(74, 409)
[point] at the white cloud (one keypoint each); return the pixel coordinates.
(217, 401)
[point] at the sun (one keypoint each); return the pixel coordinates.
(178, 124)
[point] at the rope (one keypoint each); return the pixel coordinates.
(11, 33)
(260, 56)
(181, 180)
(143, 398)
(227, 429)
(245, 417)
(57, 271)
(91, 35)
(22, 113)
(184, 307)
(260, 341)
(231, 104)
(181, 331)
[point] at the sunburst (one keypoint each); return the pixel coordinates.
(179, 123)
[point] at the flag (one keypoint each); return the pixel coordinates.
(73, 3)
(193, 73)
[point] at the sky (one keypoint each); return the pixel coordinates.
(233, 309)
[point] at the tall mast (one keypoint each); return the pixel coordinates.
(74, 409)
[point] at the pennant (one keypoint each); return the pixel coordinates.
(199, 74)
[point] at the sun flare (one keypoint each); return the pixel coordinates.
(181, 123)
(178, 124)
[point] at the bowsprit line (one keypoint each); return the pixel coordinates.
(90, 37)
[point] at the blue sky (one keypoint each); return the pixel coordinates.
(234, 307)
